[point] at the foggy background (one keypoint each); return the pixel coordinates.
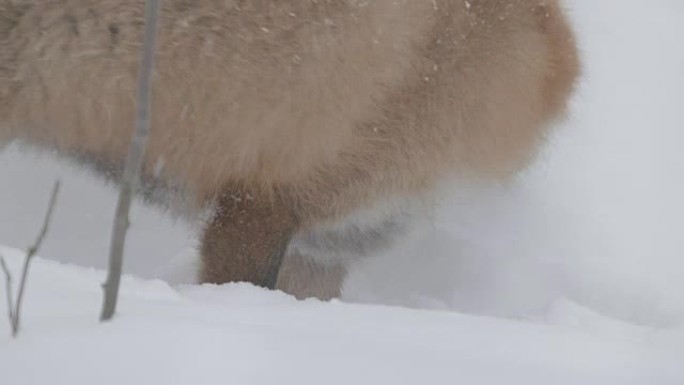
(598, 220)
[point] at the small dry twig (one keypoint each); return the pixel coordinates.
(134, 162)
(15, 306)
(8, 286)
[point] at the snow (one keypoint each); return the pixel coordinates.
(240, 334)
(570, 275)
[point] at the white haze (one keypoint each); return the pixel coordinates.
(598, 221)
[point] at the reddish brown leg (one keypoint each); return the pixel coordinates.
(247, 239)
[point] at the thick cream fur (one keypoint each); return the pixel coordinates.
(335, 103)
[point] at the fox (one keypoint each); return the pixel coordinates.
(312, 131)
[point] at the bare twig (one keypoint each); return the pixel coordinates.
(134, 162)
(31, 252)
(8, 284)
(15, 307)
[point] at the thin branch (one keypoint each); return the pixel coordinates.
(8, 283)
(30, 253)
(134, 162)
(14, 307)
(46, 222)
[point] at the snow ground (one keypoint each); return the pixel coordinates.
(573, 274)
(241, 334)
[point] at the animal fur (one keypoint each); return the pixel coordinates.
(290, 115)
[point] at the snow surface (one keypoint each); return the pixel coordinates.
(244, 335)
(573, 274)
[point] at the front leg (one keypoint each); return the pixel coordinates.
(247, 238)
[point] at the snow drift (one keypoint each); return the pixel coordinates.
(244, 335)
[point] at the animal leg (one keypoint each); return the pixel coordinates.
(247, 239)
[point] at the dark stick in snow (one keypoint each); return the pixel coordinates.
(134, 162)
(8, 287)
(15, 308)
